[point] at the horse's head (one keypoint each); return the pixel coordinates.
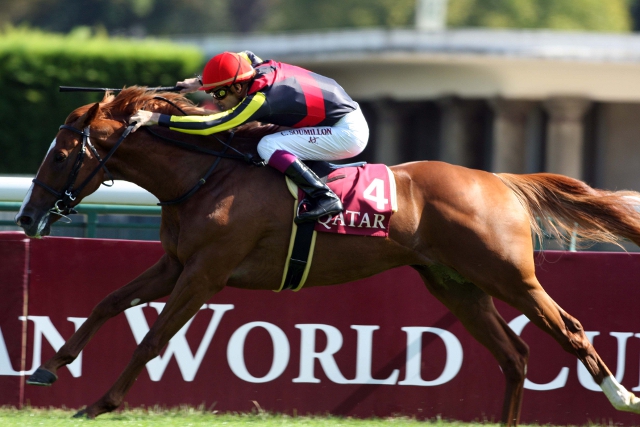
(72, 168)
(66, 174)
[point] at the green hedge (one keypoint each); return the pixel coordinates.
(33, 65)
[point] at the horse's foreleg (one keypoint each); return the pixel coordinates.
(538, 306)
(193, 289)
(475, 310)
(154, 283)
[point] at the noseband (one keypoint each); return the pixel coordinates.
(68, 195)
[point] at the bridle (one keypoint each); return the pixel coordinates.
(62, 207)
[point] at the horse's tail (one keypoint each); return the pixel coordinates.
(559, 205)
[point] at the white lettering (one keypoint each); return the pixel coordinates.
(340, 218)
(517, 325)
(364, 356)
(42, 327)
(235, 352)
(378, 220)
(377, 187)
(585, 378)
(325, 222)
(353, 217)
(365, 219)
(178, 345)
(5, 360)
(414, 356)
(308, 354)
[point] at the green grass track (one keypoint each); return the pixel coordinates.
(187, 417)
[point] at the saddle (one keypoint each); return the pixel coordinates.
(324, 169)
(303, 235)
(368, 194)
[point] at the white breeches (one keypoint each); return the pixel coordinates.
(347, 138)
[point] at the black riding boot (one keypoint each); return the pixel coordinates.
(323, 201)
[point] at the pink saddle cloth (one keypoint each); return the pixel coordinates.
(368, 194)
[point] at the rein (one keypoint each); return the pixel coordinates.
(206, 176)
(247, 157)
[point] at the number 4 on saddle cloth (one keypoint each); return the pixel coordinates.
(368, 194)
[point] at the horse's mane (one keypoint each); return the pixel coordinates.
(134, 98)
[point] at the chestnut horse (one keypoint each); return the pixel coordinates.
(468, 233)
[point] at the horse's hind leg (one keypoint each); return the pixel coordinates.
(154, 283)
(538, 306)
(507, 272)
(475, 310)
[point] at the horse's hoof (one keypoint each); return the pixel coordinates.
(42, 377)
(81, 414)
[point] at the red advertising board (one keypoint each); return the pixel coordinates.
(14, 251)
(376, 347)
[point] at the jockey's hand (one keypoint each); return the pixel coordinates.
(144, 118)
(189, 85)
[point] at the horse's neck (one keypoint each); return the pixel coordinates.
(164, 170)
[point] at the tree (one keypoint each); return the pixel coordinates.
(590, 15)
(123, 17)
(170, 17)
(315, 14)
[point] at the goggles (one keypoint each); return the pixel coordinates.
(219, 93)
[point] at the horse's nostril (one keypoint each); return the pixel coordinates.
(24, 221)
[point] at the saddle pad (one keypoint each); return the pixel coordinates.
(368, 194)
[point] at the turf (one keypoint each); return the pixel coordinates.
(198, 417)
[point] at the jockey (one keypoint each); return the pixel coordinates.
(327, 124)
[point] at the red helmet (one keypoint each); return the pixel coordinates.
(225, 69)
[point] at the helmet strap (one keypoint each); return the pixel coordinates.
(237, 71)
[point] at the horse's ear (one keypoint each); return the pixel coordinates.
(88, 117)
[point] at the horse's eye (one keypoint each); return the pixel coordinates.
(60, 157)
